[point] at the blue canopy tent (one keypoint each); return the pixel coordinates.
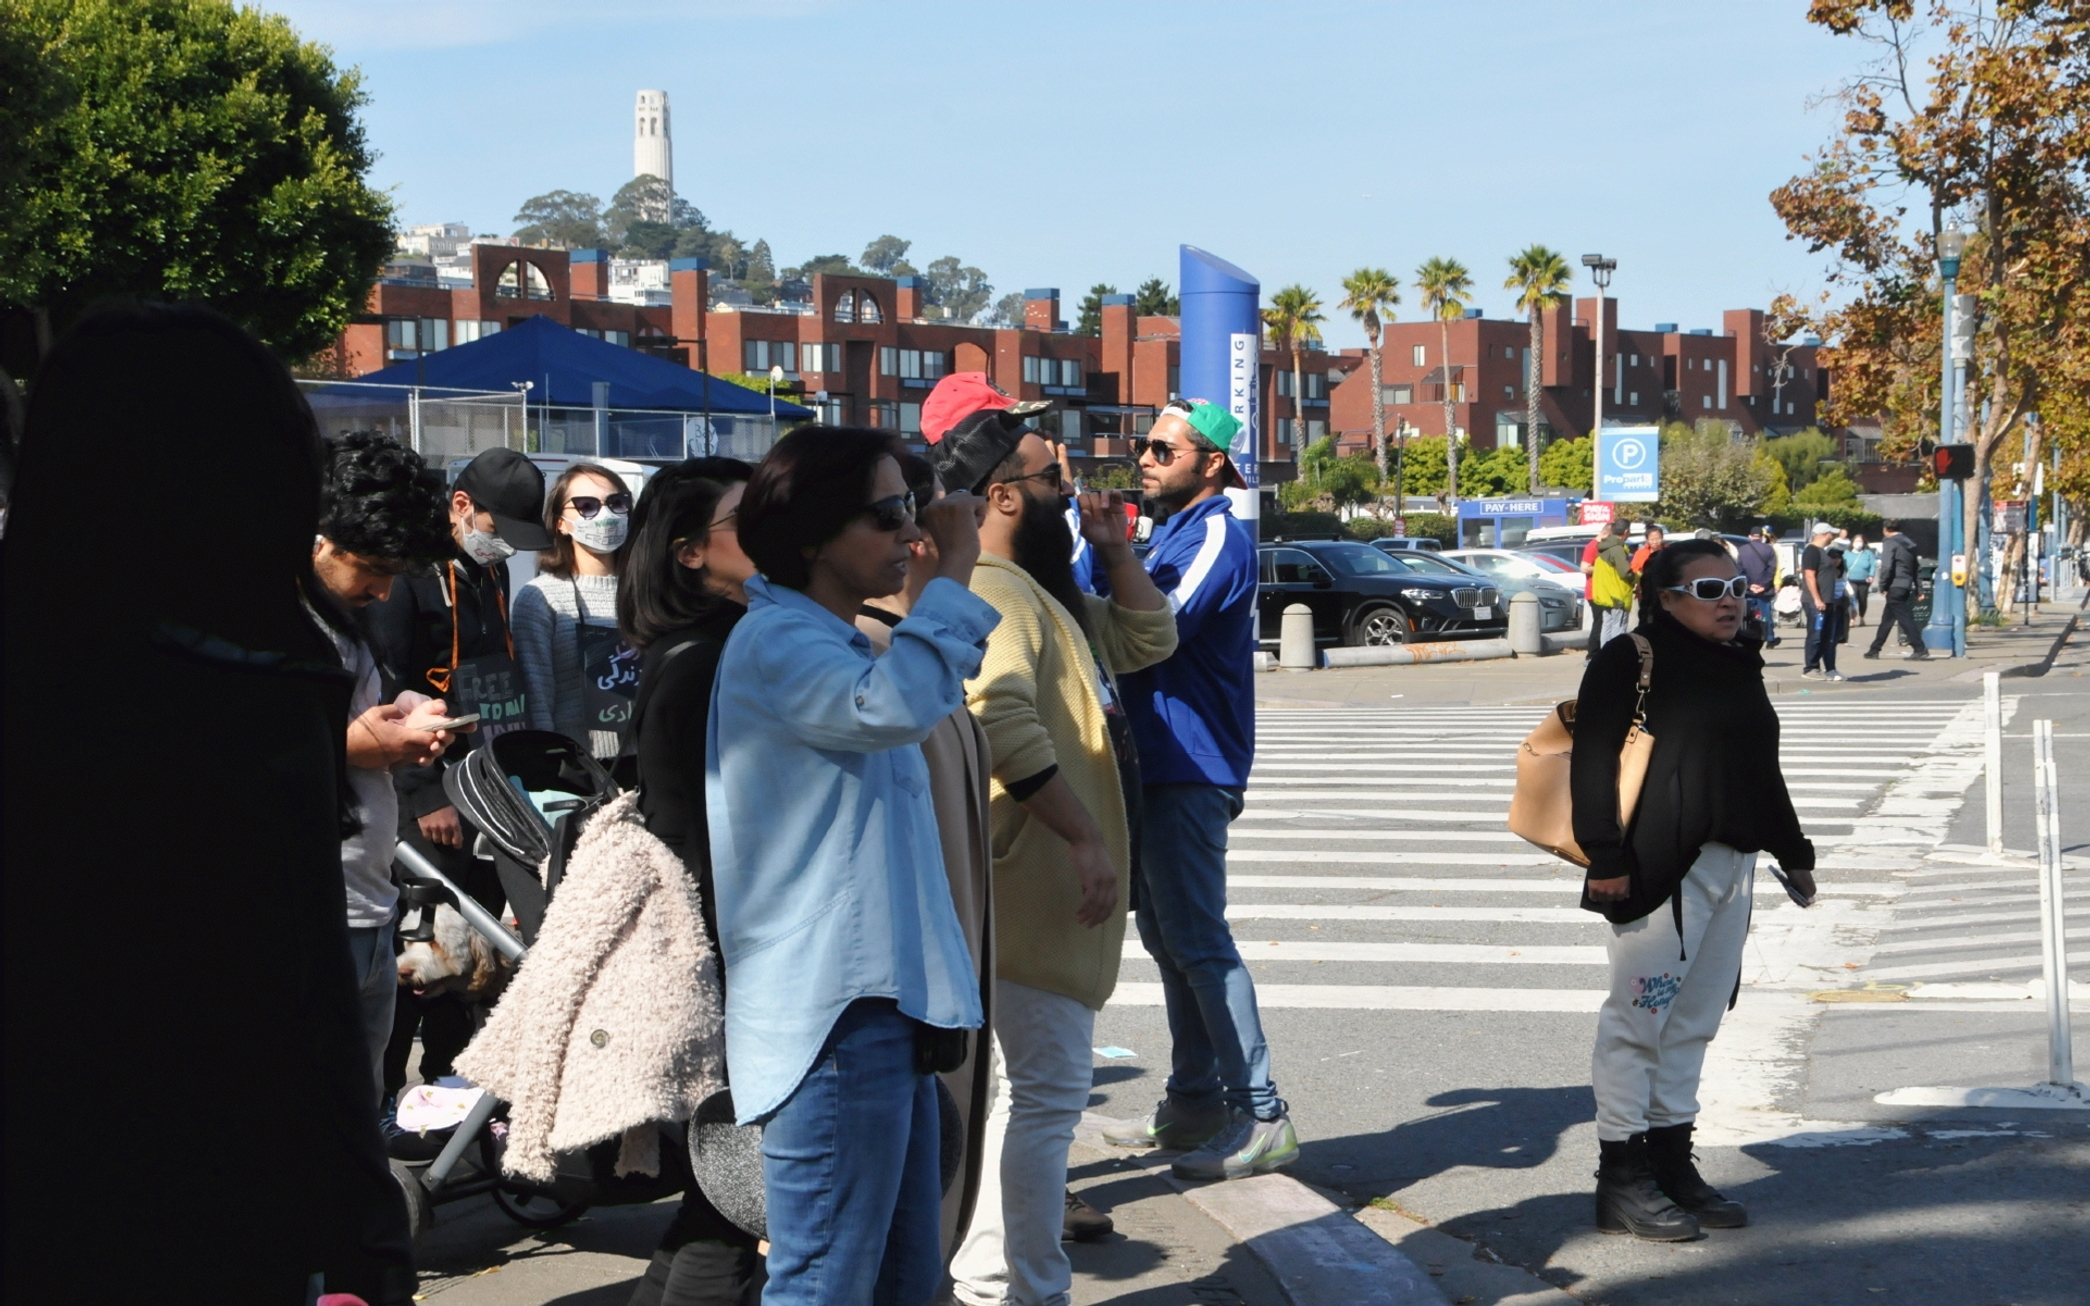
(586, 396)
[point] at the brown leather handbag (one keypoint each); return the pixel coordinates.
(1542, 807)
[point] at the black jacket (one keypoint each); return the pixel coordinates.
(1713, 777)
(410, 632)
(1898, 570)
(669, 722)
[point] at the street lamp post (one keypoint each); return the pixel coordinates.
(1600, 270)
(1948, 609)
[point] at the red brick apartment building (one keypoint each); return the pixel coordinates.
(1649, 376)
(863, 350)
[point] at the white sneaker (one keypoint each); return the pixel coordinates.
(1833, 675)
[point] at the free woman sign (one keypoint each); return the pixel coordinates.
(1629, 464)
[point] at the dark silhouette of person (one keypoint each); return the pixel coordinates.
(188, 1108)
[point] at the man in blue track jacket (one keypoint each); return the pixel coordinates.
(1193, 718)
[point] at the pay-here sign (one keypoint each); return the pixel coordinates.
(1628, 464)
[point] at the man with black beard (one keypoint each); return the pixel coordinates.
(1063, 808)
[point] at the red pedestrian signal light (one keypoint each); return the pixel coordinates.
(1953, 462)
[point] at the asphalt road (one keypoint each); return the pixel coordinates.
(1429, 993)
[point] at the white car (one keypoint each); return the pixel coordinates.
(1541, 571)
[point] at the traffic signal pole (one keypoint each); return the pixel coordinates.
(1948, 609)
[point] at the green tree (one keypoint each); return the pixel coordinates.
(645, 216)
(1709, 478)
(188, 150)
(1153, 299)
(1494, 472)
(962, 289)
(1422, 465)
(1832, 489)
(1541, 279)
(1008, 310)
(1370, 295)
(1330, 481)
(834, 265)
(1777, 494)
(1445, 283)
(886, 256)
(1293, 320)
(1090, 320)
(1567, 464)
(563, 219)
(1801, 456)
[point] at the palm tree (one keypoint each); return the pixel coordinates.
(1445, 283)
(1541, 279)
(1370, 294)
(1294, 319)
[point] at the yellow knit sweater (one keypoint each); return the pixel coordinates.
(1037, 698)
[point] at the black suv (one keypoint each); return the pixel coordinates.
(1361, 596)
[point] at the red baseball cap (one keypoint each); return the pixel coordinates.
(960, 395)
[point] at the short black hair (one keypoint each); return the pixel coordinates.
(655, 593)
(379, 500)
(1894, 524)
(1666, 564)
(805, 492)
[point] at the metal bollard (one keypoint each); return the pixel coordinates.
(1295, 640)
(1524, 637)
(2053, 920)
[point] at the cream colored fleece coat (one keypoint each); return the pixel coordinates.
(1037, 698)
(615, 1019)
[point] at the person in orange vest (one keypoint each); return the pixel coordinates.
(1654, 541)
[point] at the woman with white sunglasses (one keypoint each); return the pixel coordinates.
(1675, 880)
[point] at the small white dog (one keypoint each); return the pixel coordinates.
(455, 960)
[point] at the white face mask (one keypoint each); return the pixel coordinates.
(487, 549)
(602, 533)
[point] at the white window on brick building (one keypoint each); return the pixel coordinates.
(1284, 383)
(934, 364)
(911, 364)
(845, 306)
(888, 361)
(1030, 369)
(867, 309)
(1395, 395)
(1421, 355)
(1509, 392)
(1070, 373)
(910, 419)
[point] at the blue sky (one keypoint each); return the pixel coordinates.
(1068, 143)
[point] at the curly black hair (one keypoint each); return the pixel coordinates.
(379, 500)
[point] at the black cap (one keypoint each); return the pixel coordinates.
(508, 485)
(971, 450)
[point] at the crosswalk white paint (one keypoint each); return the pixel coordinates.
(1372, 871)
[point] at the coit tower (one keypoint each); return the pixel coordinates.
(652, 148)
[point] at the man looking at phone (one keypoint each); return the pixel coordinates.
(378, 519)
(444, 633)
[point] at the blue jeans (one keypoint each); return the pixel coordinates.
(1180, 907)
(851, 1171)
(1824, 632)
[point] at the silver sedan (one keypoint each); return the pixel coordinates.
(1557, 585)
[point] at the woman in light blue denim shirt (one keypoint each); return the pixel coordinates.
(845, 960)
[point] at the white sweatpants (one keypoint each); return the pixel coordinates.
(1663, 1010)
(1043, 1073)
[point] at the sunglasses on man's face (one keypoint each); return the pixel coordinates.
(1052, 475)
(587, 505)
(1711, 589)
(1164, 452)
(892, 513)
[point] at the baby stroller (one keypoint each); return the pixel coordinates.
(528, 792)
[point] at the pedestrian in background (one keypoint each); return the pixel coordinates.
(1650, 545)
(680, 592)
(1610, 587)
(1758, 562)
(379, 517)
(1822, 595)
(848, 978)
(1898, 576)
(172, 723)
(1675, 883)
(445, 634)
(1066, 790)
(1859, 566)
(578, 673)
(1193, 719)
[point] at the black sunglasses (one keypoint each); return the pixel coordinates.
(1711, 589)
(1164, 452)
(892, 513)
(587, 505)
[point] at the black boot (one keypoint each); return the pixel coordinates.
(1628, 1201)
(1669, 1154)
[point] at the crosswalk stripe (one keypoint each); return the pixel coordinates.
(1968, 966)
(1390, 997)
(1433, 884)
(1973, 941)
(1450, 954)
(1280, 793)
(1288, 911)
(1529, 857)
(1241, 831)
